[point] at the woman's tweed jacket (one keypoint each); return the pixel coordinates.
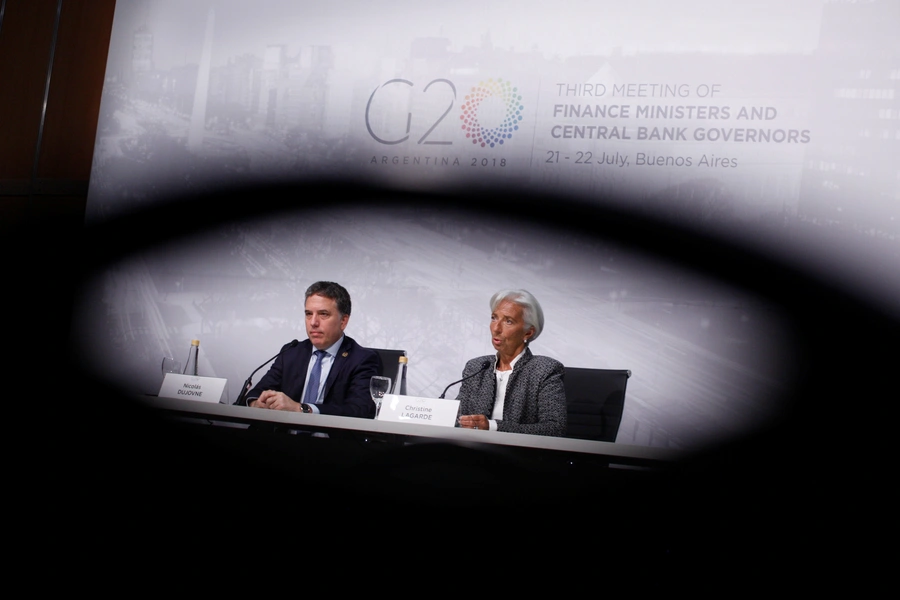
(535, 400)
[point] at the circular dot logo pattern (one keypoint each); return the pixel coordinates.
(502, 90)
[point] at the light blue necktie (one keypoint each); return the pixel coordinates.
(312, 390)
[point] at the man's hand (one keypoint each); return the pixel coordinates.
(276, 401)
(473, 422)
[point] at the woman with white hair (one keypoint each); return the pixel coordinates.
(514, 390)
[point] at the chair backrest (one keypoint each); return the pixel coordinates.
(390, 363)
(594, 402)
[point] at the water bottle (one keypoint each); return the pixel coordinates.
(190, 367)
(400, 379)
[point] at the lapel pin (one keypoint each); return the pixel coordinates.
(345, 354)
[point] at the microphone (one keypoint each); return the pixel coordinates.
(246, 388)
(484, 366)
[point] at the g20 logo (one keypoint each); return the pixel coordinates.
(490, 113)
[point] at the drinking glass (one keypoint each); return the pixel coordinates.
(170, 365)
(378, 387)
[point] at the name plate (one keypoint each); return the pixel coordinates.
(423, 411)
(191, 387)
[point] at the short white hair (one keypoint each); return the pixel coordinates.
(532, 313)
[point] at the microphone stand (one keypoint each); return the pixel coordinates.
(484, 366)
(249, 381)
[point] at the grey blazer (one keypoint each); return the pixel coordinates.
(535, 400)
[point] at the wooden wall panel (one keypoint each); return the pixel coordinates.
(73, 104)
(65, 147)
(25, 41)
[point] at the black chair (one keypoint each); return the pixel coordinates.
(594, 402)
(390, 363)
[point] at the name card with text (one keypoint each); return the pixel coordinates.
(190, 387)
(423, 411)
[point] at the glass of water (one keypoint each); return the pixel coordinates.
(170, 365)
(378, 387)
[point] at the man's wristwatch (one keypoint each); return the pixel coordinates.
(306, 408)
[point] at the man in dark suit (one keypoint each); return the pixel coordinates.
(329, 373)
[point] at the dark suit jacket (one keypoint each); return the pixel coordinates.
(535, 399)
(346, 389)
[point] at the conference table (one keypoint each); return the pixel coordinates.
(568, 450)
(249, 468)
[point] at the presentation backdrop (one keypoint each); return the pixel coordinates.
(775, 122)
